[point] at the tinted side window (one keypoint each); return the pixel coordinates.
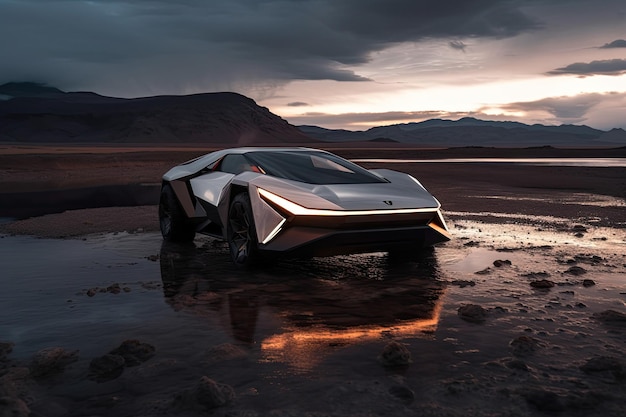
(235, 164)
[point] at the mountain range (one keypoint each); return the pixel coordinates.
(36, 113)
(469, 131)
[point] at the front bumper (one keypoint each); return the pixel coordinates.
(303, 232)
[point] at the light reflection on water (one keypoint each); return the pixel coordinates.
(567, 162)
(294, 312)
(299, 311)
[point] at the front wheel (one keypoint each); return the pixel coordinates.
(175, 226)
(241, 232)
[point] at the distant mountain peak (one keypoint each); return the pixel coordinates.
(469, 131)
(37, 113)
(28, 89)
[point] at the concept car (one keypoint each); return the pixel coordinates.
(297, 202)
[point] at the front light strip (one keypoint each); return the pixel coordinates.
(274, 232)
(298, 210)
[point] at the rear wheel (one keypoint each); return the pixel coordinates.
(175, 226)
(241, 232)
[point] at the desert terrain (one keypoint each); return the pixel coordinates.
(522, 313)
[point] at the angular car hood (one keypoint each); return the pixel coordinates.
(382, 196)
(401, 192)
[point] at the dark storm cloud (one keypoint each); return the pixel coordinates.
(402, 20)
(189, 45)
(602, 67)
(565, 109)
(619, 43)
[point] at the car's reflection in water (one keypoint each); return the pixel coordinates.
(296, 310)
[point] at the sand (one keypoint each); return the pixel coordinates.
(523, 313)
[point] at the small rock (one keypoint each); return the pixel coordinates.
(485, 271)
(604, 364)
(211, 394)
(51, 360)
(472, 313)
(91, 292)
(224, 352)
(500, 263)
(536, 275)
(403, 393)
(544, 400)
(542, 284)
(588, 283)
(524, 346)
(395, 354)
(576, 270)
(153, 258)
(150, 285)
(13, 407)
(114, 288)
(134, 352)
(610, 316)
(5, 349)
(106, 367)
(586, 400)
(463, 283)
(517, 364)
(579, 228)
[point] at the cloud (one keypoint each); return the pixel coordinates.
(405, 20)
(603, 67)
(298, 104)
(148, 47)
(366, 120)
(458, 45)
(594, 109)
(619, 43)
(599, 110)
(567, 109)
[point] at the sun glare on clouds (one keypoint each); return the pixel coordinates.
(488, 98)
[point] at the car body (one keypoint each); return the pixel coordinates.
(297, 201)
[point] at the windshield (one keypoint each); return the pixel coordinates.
(312, 167)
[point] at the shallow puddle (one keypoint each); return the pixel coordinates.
(306, 336)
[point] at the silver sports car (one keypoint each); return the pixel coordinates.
(297, 201)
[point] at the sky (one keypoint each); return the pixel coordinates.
(338, 64)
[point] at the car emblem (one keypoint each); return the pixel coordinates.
(388, 202)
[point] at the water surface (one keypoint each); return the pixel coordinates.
(567, 162)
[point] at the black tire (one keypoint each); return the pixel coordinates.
(175, 226)
(241, 232)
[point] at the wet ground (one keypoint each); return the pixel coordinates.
(522, 318)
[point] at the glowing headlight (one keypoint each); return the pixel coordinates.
(298, 210)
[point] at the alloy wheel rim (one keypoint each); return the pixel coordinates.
(240, 233)
(165, 220)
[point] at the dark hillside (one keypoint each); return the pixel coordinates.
(47, 115)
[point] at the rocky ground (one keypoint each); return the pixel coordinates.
(523, 313)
